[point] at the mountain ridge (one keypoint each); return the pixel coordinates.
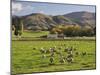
(48, 21)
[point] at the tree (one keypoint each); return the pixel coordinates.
(68, 30)
(20, 31)
(16, 32)
(76, 30)
(86, 31)
(53, 31)
(18, 26)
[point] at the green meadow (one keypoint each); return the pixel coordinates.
(25, 59)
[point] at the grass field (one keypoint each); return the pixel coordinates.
(27, 60)
(32, 34)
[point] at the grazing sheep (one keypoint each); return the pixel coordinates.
(71, 48)
(54, 49)
(47, 51)
(70, 52)
(62, 60)
(83, 53)
(43, 56)
(51, 50)
(70, 56)
(34, 48)
(51, 60)
(76, 53)
(66, 49)
(42, 50)
(52, 54)
(69, 60)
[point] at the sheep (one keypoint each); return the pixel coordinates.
(47, 51)
(76, 53)
(54, 49)
(70, 52)
(34, 48)
(62, 60)
(51, 50)
(69, 60)
(69, 55)
(66, 49)
(52, 54)
(51, 60)
(42, 50)
(71, 48)
(43, 56)
(83, 53)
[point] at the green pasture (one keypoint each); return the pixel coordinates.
(33, 34)
(27, 60)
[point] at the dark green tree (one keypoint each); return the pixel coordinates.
(18, 26)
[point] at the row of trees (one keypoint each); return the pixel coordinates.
(73, 30)
(17, 25)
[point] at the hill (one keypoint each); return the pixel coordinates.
(82, 18)
(45, 22)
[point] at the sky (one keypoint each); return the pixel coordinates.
(21, 8)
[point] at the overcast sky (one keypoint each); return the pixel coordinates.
(20, 8)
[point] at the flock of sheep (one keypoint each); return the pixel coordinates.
(69, 51)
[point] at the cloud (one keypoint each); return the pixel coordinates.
(19, 8)
(28, 7)
(40, 11)
(16, 7)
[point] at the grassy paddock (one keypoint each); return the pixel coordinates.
(33, 34)
(27, 60)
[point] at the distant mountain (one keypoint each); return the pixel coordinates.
(82, 18)
(42, 21)
(62, 20)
